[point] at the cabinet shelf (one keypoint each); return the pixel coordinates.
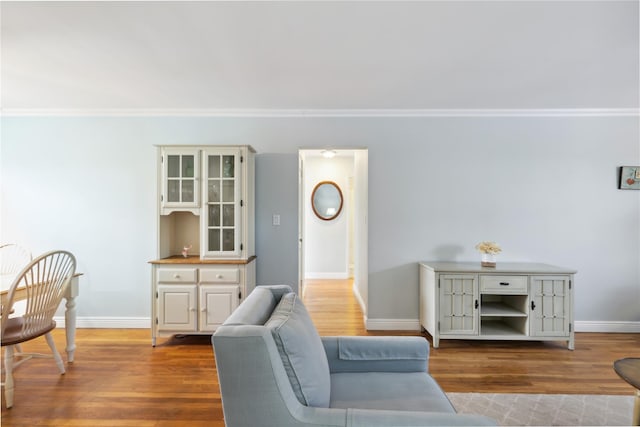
(501, 328)
(494, 309)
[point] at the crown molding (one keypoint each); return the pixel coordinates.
(297, 113)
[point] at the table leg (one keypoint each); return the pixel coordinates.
(70, 327)
(70, 318)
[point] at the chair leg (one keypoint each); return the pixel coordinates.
(56, 355)
(8, 375)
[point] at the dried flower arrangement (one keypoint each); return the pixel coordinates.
(488, 248)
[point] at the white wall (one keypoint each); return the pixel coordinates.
(543, 187)
(326, 243)
(87, 186)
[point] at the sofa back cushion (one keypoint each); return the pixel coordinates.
(301, 351)
(255, 309)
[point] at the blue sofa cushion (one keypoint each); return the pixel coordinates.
(256, 308)
(408, 391)
(301, 351)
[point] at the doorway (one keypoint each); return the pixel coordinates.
(334, 247)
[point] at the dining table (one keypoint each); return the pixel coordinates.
(70, 312)
(629, 370)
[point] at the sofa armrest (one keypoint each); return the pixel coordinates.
(373, 418)
(376, 354)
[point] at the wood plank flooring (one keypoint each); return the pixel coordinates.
(118, 379)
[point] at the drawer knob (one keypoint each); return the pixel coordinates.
(176, 276)
(504, 283)
(219, 276)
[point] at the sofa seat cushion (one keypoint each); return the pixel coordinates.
(301, 351)
(406, 391)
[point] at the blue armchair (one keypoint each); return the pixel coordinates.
(275, 370)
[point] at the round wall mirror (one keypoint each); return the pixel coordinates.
(326, 200)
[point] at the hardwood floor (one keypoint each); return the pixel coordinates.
(118, 379)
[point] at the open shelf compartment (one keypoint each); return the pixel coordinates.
(502, 315)
(505, 326)
(504, 305)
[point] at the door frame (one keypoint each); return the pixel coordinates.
(359, 232)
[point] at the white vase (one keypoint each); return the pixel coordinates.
(488, 260)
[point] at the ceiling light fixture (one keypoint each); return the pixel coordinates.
(328, 154)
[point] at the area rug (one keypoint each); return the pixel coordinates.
(547, 409)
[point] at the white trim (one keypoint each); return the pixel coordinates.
(109, 322)
(611, 327)
(356, 293)
(371, 324)
(315, 112)
(392, 324)
(327, 276)
(580, 326)
(352, 1)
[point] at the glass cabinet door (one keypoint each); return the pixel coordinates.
(222, 194)
(180, 179)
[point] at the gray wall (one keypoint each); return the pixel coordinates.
(277, 193)
(543, 187)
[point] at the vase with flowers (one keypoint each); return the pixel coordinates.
(489, 250)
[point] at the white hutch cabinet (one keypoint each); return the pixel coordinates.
(513, 301)
(206, 212)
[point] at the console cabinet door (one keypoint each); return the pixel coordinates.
(177, 307)
(458, 304)
(217, 302)
(550, 312)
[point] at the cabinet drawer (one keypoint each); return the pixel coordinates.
(177, 275)
(220, 275)
(504, 284)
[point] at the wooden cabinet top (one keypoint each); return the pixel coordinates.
(500, 268)
(195, 259)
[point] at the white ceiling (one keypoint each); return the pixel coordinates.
(324, 55)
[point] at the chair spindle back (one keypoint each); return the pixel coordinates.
(44, 281)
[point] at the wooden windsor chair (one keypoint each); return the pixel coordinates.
(42, 283)
(13, 258)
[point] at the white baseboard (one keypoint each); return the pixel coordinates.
(580, 326)
(392, 324)
(108, 322)
(611, 327)
(335, 275)
(360, 300)
(371, 324)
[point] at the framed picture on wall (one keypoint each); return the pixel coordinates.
(629, 178)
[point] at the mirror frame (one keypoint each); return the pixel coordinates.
(313, 196)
